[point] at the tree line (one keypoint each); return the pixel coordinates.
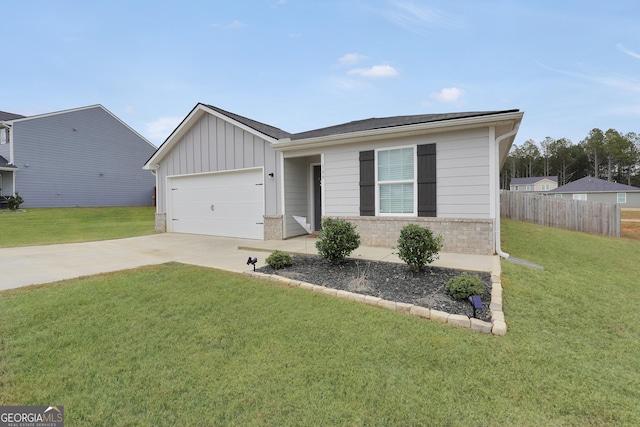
(609, 155)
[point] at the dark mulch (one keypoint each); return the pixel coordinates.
(387, 280)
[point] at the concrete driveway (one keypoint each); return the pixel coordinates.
(31, 265)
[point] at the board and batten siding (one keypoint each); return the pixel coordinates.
(462, 173)
(215, 145)
(83, 157)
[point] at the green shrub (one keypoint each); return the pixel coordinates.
(337, 240)
(417, 246)
(465, 285)
(279, 259)
(14, 202)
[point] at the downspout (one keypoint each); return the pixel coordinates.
(497, 219)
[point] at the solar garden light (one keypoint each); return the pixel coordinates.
(252, 261)
(476, 303)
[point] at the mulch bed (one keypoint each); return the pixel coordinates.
(387, 280)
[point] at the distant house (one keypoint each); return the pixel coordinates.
(599, 190)
(534, 183)
(80, 157)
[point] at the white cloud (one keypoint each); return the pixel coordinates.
(448, 94)
(375, 71)
(629, 52)
(158, 130)
(233, 25)
(418, 18)
(352, 59)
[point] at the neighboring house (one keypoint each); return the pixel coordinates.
(599, 190)
(80, 157)
(222, 174)
(534, 183)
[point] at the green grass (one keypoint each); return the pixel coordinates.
(185, 345)
(46, 226)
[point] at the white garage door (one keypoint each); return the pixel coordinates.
(229, 204)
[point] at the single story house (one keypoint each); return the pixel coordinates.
(81, 157)
(534, 184)
(223, 174)
(599, 190)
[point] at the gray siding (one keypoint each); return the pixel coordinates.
(297, 182)
(633, 199)
(84, 157)
(462, 175)
(211, 145)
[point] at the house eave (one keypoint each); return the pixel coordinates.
(196, 114)
(287, 144)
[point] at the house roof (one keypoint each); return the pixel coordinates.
(387, 122)
(9, 116)
(286, 140)
(4, 164)
(268, 130)
(590, 184)
(532, 180)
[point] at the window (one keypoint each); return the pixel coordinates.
(4, 136)
(528, 188)
(622, 197)
(395, 178)
(545, 187)
(558, 196)
(515, 188)
(579, 197)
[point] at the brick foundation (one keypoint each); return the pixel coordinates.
(273, 227)
(161, 222)
(464, 236)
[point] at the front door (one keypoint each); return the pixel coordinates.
(317, 198)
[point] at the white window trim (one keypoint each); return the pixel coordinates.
(414, 182)
(581, 196)
(618, 198)
(545, 187)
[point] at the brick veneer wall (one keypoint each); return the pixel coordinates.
(465, 236)
(273, 227)
(161, 222)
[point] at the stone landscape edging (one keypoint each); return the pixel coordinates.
(497, 326)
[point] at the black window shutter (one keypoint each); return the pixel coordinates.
(367, 183)
(427, 180)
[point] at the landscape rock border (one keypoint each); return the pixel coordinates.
(497, 326)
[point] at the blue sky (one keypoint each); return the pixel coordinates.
(299, 65)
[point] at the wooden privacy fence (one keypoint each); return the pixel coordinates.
(578, 215)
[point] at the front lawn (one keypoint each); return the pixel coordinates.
(185, 345)
(45, 226)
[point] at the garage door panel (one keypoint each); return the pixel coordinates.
(225, 204)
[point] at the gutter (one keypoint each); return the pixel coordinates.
(496, 230)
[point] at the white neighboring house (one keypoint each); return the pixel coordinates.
(599, 190)
(539, 184)
(223, 174)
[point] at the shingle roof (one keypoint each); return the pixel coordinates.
(590, 184)
(4, 163)
(268, 130)
(532, 180)
(355, 126)
(387, 122)
(9, 116)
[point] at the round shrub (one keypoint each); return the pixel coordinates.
(337, 240)
(465, 285)
(15, 202)
(417, 246)
(279, 259)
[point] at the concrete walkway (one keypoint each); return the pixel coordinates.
(31, 265)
